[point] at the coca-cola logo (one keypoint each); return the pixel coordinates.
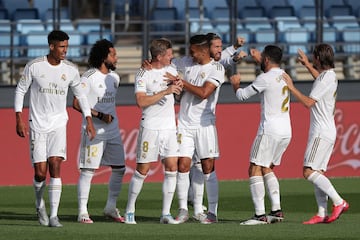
(347, 146)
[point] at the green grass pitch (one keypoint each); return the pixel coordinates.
(18, 219)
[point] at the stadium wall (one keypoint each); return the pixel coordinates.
(237, 125)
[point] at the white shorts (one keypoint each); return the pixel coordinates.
(45, 145)
(203, 142)
(267, 150)
(98, 152)
(152, 143)
(318, 152)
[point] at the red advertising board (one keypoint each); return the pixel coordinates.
(237, 125)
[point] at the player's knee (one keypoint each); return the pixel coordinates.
(39, 176)
(119, 170)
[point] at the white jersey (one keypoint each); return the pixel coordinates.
(161, 115)
(227, 57)
(49, 86)
(196, 112)
(275, 102)
(101, 90)
(322, 113)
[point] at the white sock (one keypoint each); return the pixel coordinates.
(272, 185)
(182, 185)
(55, 186)
(322, 200)
(168, 189)
(198, 188)
(325, 185)
(84, 186)
(212, 190)
(257, 190)
(135, 187)
(39, 188)
(114, 189)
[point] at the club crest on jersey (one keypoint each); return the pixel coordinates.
(279, 78)
(101, 86)
(83, 85)
(202, 75)
(63, 77)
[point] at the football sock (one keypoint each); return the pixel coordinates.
(212, 189)
(55, 186)
(114, 189)
(322, 200)
(257, 190)
(84, 186)
(39, 188)
(325, 185)
(182, 186)
(197, 181)
(191, 192)
(272, 185)
(135, 187)
(168, 189)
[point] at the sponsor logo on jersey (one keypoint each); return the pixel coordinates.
(140, 83)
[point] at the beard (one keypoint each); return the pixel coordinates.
(262, 66)
(110, 66)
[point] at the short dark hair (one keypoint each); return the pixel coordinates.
(99, 52)
(57, 36)
(274, 53)
(212, 36)
(325, 53)
(200, 40)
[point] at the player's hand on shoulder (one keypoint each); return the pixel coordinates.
(287, 79)
(146, 64)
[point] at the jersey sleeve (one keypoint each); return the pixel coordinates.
(226, 57)
(79, 91)
(228, 52)
(22, 88)
(254, 88)
(140, 83)
(217, 76)
(172, 69)
(323, 85)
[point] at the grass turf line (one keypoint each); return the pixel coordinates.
(18, 219)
